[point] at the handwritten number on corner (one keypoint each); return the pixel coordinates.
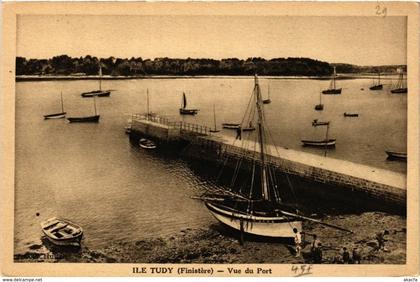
(381, 11)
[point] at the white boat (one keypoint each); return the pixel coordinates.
(147, 144)
(262, 212)
(62, 231)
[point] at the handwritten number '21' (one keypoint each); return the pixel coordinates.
(381, 11)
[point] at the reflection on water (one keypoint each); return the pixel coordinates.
(91, 174)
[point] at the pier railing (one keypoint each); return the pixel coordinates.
(185, 127)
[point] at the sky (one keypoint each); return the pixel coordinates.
(354, 40)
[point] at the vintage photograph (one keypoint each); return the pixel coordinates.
(211, 139)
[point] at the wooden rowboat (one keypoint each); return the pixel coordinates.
(62, 232)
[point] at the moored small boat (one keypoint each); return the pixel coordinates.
(396, 155)
(147, 144)
(55, 116)
(61, 114)
(94, 118)
(319, 143)
(62, 232)
(99, 93)
(230, 125)
(332, 89)
(315, 122)
(351, 115)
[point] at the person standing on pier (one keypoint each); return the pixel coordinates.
(239, 132)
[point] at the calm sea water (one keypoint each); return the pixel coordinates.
(91, 174)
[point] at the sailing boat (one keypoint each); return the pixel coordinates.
(378, 85)
(94, 118)
(215, 126)
(183, 110)
(332, 89)
(57, 115)
(400, 88)
(267, 101)
(320, 106)
(100, 92)
(262, 211)
(326, 143)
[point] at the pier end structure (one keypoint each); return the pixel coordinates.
(315, 174)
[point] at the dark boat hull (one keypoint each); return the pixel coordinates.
(55, 116)
(98, 93)
(84, 119)
(183, 111)
(377, 87)
(321, 143)
(399, 90)
(266, 101)
(319, 107)
(248, 129)
(332, 91)
(396, 155)
(351, 115)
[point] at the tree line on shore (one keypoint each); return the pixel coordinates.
(89, 65)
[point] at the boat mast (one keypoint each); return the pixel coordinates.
(100, 77)
(148, 112)
(326, 139)
(214, 115)
(94, 103)
(264, 184)
(62, 105)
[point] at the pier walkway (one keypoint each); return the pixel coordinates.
(378, 183)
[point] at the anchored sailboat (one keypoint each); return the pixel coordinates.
(93, 118)
(268, 100)
(262, 211)
(332, 89)
(400, 88)
(100, 92)
(62, 114)
(183, 110)
(320, 106)
(378, 85)
(215, 124)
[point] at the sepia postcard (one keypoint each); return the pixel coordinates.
(210, 139)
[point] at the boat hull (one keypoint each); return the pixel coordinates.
(377, 87)
(332, 91)
(230, 125)
(350, 115)
(147, 144)
(248, 129)
(55, 116)
(267, 101)
(276, 227)
(396, 155)
(319, 107)
(71, 233)
(322, 143)
(399, 90)
(183, 111)
(84, 119)
(98, 93)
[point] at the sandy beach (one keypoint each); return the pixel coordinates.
(217, 244)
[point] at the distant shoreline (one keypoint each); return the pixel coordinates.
(20, 78)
